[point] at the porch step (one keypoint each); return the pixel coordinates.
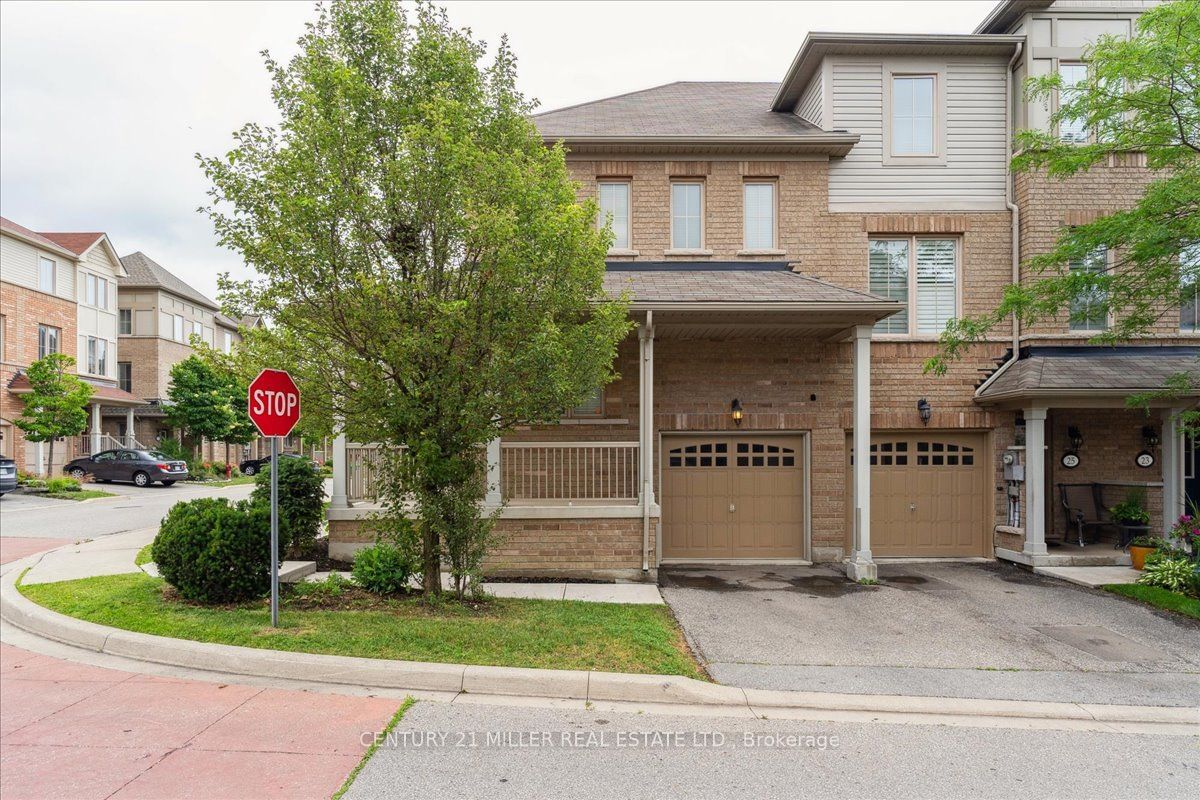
(295, 571)
(1091, 576)
(1114, 558)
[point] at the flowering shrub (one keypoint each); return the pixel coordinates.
(1185, 535)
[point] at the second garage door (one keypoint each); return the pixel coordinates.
(928, 494)
(733, 497)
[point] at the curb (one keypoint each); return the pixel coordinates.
(667, 691)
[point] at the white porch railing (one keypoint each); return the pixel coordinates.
(569, 471)
(548, 473)
(83, 443)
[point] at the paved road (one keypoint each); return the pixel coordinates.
(135, 508)
(957, 630)
(868, 761)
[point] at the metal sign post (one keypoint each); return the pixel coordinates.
(274, 531)
(274, 408)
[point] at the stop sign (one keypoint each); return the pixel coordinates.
(274, 403)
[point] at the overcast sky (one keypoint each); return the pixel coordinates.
(102, 105)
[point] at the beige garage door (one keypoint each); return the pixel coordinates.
(726, 497)
(928, 494)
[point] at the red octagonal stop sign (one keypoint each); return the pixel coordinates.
(274, 403)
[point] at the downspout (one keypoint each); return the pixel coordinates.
(1009, 191)
(646, 436)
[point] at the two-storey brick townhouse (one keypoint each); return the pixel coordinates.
(792, 251)
(159, 313)
(58, 293)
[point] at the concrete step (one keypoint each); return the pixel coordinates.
(296, 571)
(1091, 576)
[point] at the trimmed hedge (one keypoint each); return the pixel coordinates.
(383, 568)
(301, 501)
(215, 552)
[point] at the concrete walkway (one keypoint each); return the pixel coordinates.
(1092, 577)
(622, 593)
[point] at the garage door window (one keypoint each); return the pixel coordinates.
(944, 454)
(708, 454)
(761, 454)
(889, 454)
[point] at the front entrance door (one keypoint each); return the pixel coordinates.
(733, 497)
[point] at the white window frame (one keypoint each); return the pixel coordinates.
(912, 303)
(1087, 134)
(227, 341)
(772, 247)
(177, 329)
(197, 330)
(42, 262)
(617, 246)
(914, 69)
(56, 336)
(1071, 324)
(1189, 260)
(97, 356)
(124, 321)
(699, 248)
(590, 409)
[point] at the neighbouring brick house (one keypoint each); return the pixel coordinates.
(159, 313)
(57, 294)
(792, 251)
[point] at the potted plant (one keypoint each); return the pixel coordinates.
(1131, 516)
(1142, 546)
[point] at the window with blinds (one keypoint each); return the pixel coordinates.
(1088, 307)
(592, 407)
(921, 273)
(759, 217)
(614, 210)
(1189, 284)
(888, 267)
(1073, 78)
(686, 232)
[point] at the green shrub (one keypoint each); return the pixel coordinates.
(383, 568)
(65, 484)
(215, 552)
(301, 502)
(173, 450)
(1168, 572)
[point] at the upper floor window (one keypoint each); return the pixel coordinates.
(687, 216)
(1074, 76)
(922, 274)
(178, 328)
(95, 291)
(46, 274)
(759, 215)
(47, 340)
(97, 356)
(1088, 307)
(227, 342)
(913, 115)
(125, 321)
(1189, 279)
(197, 329)
(125, 376)
(614, 210)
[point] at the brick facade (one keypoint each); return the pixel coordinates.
(24, 310)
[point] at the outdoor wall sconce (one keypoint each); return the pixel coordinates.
(1149, 436)
(925, 410)
(1076, 438)
(735, 411)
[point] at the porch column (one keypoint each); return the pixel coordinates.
(1172, 469)
(861, 566)
(1035, 481)
(95, 428)
(338, 498)
(493, 499)
(646, 428)
(129, 437)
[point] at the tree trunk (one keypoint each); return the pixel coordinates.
(50, 459)
(432, 569)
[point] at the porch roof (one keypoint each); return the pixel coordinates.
(1089, 371)
(734, 285)
(100, 392)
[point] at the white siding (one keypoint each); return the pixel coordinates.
(19, 265)
(973, 174)
(812, 102)
(97, 322)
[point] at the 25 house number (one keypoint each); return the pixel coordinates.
(1070, 461)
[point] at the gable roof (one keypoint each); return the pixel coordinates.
(146, 273)
(77, 243)
(33, 237)
(1007, 12)
(697, 113)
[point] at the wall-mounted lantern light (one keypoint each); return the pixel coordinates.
(925, 410)
(735, 411)
(1150, 436)
(1076, 438)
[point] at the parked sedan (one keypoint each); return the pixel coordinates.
(253, 466)
(8, 475)
(142, 467)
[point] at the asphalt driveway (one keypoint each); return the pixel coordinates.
(939, 629)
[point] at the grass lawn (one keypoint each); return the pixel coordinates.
(82, 494)
(550, 634)
(1158, 597)
(144, 556)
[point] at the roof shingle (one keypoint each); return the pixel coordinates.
(1121, 370)
(145, 273)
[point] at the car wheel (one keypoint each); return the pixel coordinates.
(77, 473)
(250, 469)
(168, 483)
(141, 479)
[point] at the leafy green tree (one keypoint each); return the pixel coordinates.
(201, 404)
(57, 406)
(430, 276)
(1142, 95)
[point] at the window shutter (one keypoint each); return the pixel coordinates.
(936, 290)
